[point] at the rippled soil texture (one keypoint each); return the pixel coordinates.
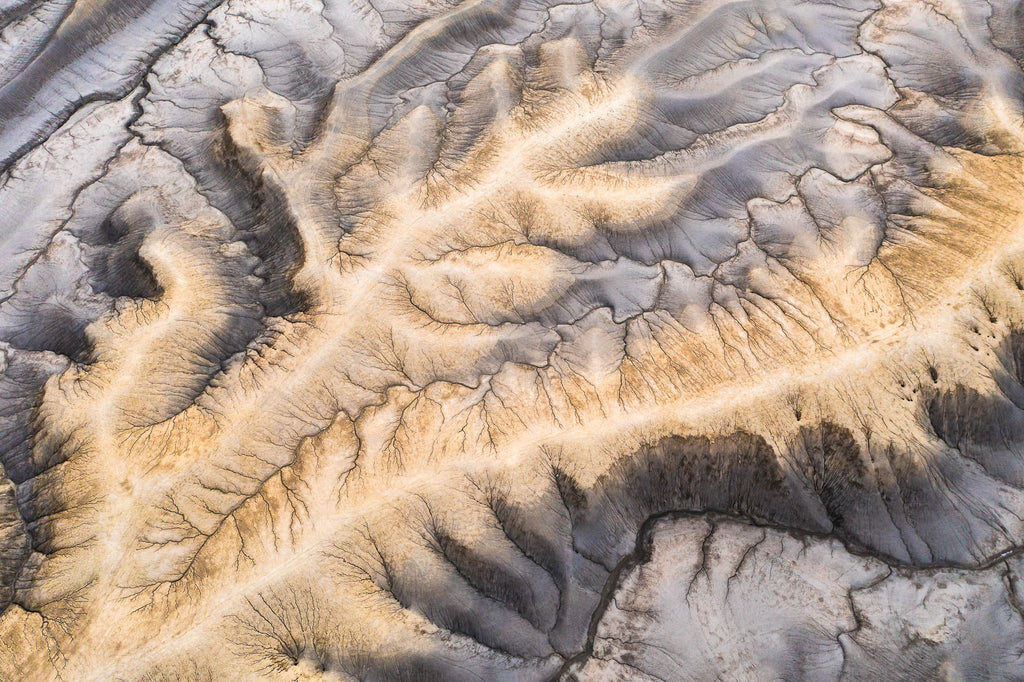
(511, 340)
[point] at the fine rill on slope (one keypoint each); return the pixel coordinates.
(512, 340)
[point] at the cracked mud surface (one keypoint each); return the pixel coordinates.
(511, 339)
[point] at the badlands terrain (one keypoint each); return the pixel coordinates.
(511, 340)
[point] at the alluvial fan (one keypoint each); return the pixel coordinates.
(511, 339)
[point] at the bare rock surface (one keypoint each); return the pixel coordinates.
(511, 339)
(711, 597)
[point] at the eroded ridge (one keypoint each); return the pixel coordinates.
(517, 340)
